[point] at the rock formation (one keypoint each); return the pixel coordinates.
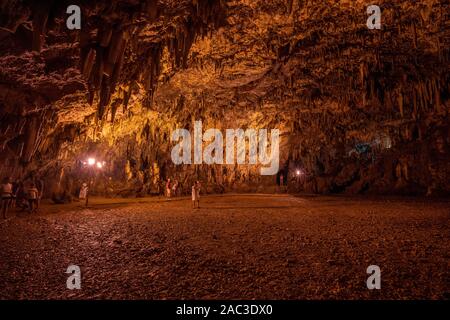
(359, 110)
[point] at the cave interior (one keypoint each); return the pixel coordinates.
(359, 110)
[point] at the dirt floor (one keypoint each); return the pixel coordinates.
(234, 247)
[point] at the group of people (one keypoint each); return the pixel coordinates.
(24, 195)
(171, 189)
(27, 194)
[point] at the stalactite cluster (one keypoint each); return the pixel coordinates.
(360, 110)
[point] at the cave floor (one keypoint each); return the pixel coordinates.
(234, 247)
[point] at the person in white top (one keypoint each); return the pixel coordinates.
(32, 196)
(83, 191)
(196, 194)
(175, 188)
(6, 194)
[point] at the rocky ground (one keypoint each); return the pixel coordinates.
(234, 247)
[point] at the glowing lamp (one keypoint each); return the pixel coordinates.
(91, 161)
(99, 165)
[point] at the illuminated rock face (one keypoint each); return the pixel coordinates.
(359, 110)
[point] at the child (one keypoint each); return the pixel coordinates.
(33, 196)
(196, 194)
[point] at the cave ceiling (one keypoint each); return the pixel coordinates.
(231, 52)
(312, 67)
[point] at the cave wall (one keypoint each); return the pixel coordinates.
(360, 111)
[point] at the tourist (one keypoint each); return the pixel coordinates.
(6, 193)
(196, 194)
(32, 196)
(83, 191)
(168, 188)
(175, 188)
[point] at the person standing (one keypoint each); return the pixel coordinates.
(83, 191)
(6, 192)
(175, 188)
(83, 195)
(168, 188)
(32, 196)
(196, 194)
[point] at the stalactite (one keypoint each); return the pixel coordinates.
(39, 22)
(437, 96)
(105, 95)
(105, 35)
(400, 102)
(116, 46)
(114, 107)
(97, 75)
(414, 104)
(89, 63)
(430, 91)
